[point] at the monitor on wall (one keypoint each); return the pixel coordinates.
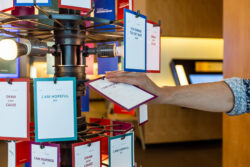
(194, 71)
(205, 78)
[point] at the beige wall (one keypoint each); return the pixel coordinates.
(185, 18)
(185, 48)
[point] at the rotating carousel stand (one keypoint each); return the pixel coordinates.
(70, 34)
(71, 62)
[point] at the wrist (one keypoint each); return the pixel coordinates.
(165, 95)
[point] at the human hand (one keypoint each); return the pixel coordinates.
(138, 79)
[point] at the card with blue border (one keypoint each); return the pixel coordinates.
(55, 109)
(121, 150)
(135, 41)
(31, 2)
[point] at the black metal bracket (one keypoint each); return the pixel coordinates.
(123, 137)
(55, 79)
(159, 24)
(138, 13)
(42, 146)
(90, 144)
(9, 81)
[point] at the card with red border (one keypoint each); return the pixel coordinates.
(87, 153)
(153, 47)
(121, 5)
(127, 96)
(14, 109)
(22, 152)
(6, 5)
(45, 154)
(83, 5)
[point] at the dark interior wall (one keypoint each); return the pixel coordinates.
(185, 18)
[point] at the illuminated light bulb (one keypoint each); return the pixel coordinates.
(8, 49)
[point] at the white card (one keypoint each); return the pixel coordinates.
(85, 4)
(143, 114)
(6, 4)
(135, 42)
(20, 2)
(121, 151)
(55, 109)
(46, 157)
(13, 110)
(153, 48)
(12, 154)
(88, 155)
(127, 96)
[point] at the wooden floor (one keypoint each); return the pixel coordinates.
(193, 154)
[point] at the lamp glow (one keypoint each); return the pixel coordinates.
(8, 49)
(181, 75)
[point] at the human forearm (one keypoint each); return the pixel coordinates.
(213, 97)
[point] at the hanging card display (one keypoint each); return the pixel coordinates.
(6, 5)
(87, 154)
(22, 152)
(55, 109)
(44, 155)
(121, 5)
(31, 2)
(14, 109)
(135, 42)
(11, 154)
(153, 47)
(83, 5)
(85, 101)
(106, 9)
(143, 114)
(121, 151)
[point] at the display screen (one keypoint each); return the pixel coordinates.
(205, 78)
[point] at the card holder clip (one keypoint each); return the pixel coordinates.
(89, 144)
(123, 137)
(159, 24)
(9, 81)
(42, 146)
(138, 13)
(55, 79)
